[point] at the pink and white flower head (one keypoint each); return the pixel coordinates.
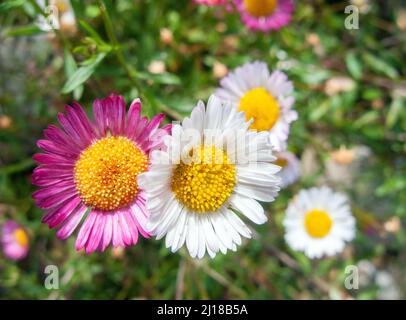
(211, 3)
(290, 165)
(265, 15)
(264, 97)
(90, 169)
(14, 240)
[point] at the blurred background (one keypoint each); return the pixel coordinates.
(350, 90)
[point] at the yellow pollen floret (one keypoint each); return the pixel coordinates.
(318, 223)
(206, 182)
(106, 173)
(260, 8)
(281, 162)
(260, 105)
(21, 237)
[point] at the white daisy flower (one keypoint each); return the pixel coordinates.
(196, 200)
(290, 165)
(264, 97)
(318, 221)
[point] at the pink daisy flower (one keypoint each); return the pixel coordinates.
(265, 15)
(14, 240)
(211, 3)
(90, 169)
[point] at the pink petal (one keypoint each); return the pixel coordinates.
(140, 220)
(132, 226)
(108, 232)
(85, 230)
(151, 127)
(117, 232)
(125, 230)
(59, 215)
(56, 200)
(79, 120)
(70, 224)
(54, 190)
(97, 232)
(133, 118)
(100, 118)
(117, 114)
(51, 147)
(44, 158)
(59, 137)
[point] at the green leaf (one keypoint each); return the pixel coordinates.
(353, 65)
(163, 78)
(379, 65)
(92, 32)
(83, 73)
(395, 184)
(315, 76)
(320, 111)
(11, 4)
(371, 94)
(70, 64)
(70, 69)
(394, 112)
(367, 118)
(24, 31)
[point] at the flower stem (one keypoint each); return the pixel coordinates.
(131, 72)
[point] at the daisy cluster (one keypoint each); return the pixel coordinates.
(196, 183)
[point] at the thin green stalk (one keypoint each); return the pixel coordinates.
(131, 72)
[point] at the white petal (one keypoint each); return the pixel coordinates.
(238, 224)
(192, 237)
(248, 207)
(266, 194)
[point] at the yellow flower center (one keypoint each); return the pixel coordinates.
(318, 223)
(260, 8)
(260, 105)
(206, 182)
(21, 237)
(106, 173)
(281, 162)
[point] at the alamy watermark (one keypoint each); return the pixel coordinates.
(352, 20)
(50, 21)
(351, 281)
(51, 281)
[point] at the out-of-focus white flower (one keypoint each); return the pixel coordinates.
(220, 70)
(5, 122)
(166, 36)
(401, 19)
(290, 165)
(366, 272)
(319, 222)
(343, 164)
(265, 97)
(388, 289)
(157, 67)
(338, 84)
(393, 225)
(364, 6)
